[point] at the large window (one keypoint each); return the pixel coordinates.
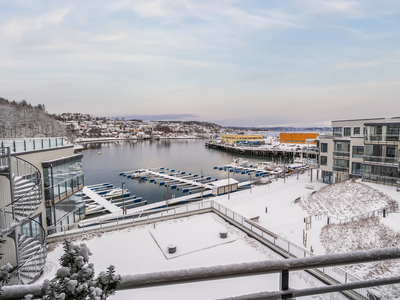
(324, 147)
(390, 151)
(337, 131)
(324, 160)
(341, 165)
(357, 168)
(392, 133)
(356, 130)
(347, 131)
(358, 151)
(32, 228)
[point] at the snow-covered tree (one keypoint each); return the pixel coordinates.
(75, 279)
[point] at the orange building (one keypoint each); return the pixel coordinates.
(297, 138)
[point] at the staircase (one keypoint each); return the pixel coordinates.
(24, 193)
(32, 258)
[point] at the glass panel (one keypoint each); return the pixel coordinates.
(324, 147)
(337, 131)
(324, 160)
(347, 131)
(356, 130)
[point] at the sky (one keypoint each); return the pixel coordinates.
(232, 62)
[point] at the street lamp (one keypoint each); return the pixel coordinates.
(123, 200)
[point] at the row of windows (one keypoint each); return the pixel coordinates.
(337, 131)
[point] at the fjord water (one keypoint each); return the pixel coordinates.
(188, 155)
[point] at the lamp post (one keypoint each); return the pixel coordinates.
(123, 200)
(228, 184)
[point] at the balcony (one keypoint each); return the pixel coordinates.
(340, 169)
(382, 160)
(64, 189)
(393, 181)
(381, 138)
(341, 154)
(17, 146)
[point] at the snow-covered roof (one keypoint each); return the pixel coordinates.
(224, 182)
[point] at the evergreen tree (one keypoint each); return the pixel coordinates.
(75, 279)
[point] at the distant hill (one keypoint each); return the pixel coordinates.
(22, 120)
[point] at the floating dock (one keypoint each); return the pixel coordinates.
(100, 200)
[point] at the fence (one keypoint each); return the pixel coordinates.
(32, 144)
(333, 275)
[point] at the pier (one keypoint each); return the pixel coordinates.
(268, 151)
(100, 200)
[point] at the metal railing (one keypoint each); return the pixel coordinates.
(23, 145)
(380, 179)
(30, 269)
(76, 215)
(64, 188)
(26, 194)
(272, 240)
(381, 159)
(4, 154)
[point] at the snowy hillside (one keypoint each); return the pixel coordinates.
(347, 199)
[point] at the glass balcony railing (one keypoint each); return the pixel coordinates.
(64, 189)
(393, 181)
(381, 159)
(398, 186)
(341, 153)
(340, 169)
(24, 145)
(381, 138)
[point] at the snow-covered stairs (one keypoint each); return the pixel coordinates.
(32, 258)
(27, 197)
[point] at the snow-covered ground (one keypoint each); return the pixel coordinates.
(144, 249)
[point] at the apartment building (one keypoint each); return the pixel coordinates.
(363, 148)
(39, 179)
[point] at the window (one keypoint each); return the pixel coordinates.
(347, 131)
(357, 168)
(356, 130)
(337, 131)
(390, 151)
(32, 228)
(358, 151)
(324, 147)
(324, 160)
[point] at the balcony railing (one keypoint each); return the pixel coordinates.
(393, 181)
(391, 138)
(17, 146)
(340, 169)
(63, 189)
(381, 159)
(345, 154)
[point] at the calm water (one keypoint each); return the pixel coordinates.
(184, 155)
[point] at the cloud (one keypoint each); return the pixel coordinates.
(161, 117)
(18, 27)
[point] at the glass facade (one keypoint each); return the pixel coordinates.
(32, 228)
(341, 165)
(324, 160)
(327, 177)
(382, 133)
(341, 148)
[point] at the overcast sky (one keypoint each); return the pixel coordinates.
(244, 63)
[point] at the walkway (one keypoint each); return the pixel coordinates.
(100, 200)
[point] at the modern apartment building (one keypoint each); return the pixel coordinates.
(363, 148)
(39, 179)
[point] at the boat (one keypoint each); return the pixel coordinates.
(140, 173)
(240, 162)
(117, 192)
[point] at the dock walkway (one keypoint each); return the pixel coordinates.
(100, 200)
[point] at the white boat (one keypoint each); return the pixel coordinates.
(140, 173)
(240, 162)
(117, 192)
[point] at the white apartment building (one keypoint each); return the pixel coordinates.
(362, 148)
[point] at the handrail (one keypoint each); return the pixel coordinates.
(33, 256)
